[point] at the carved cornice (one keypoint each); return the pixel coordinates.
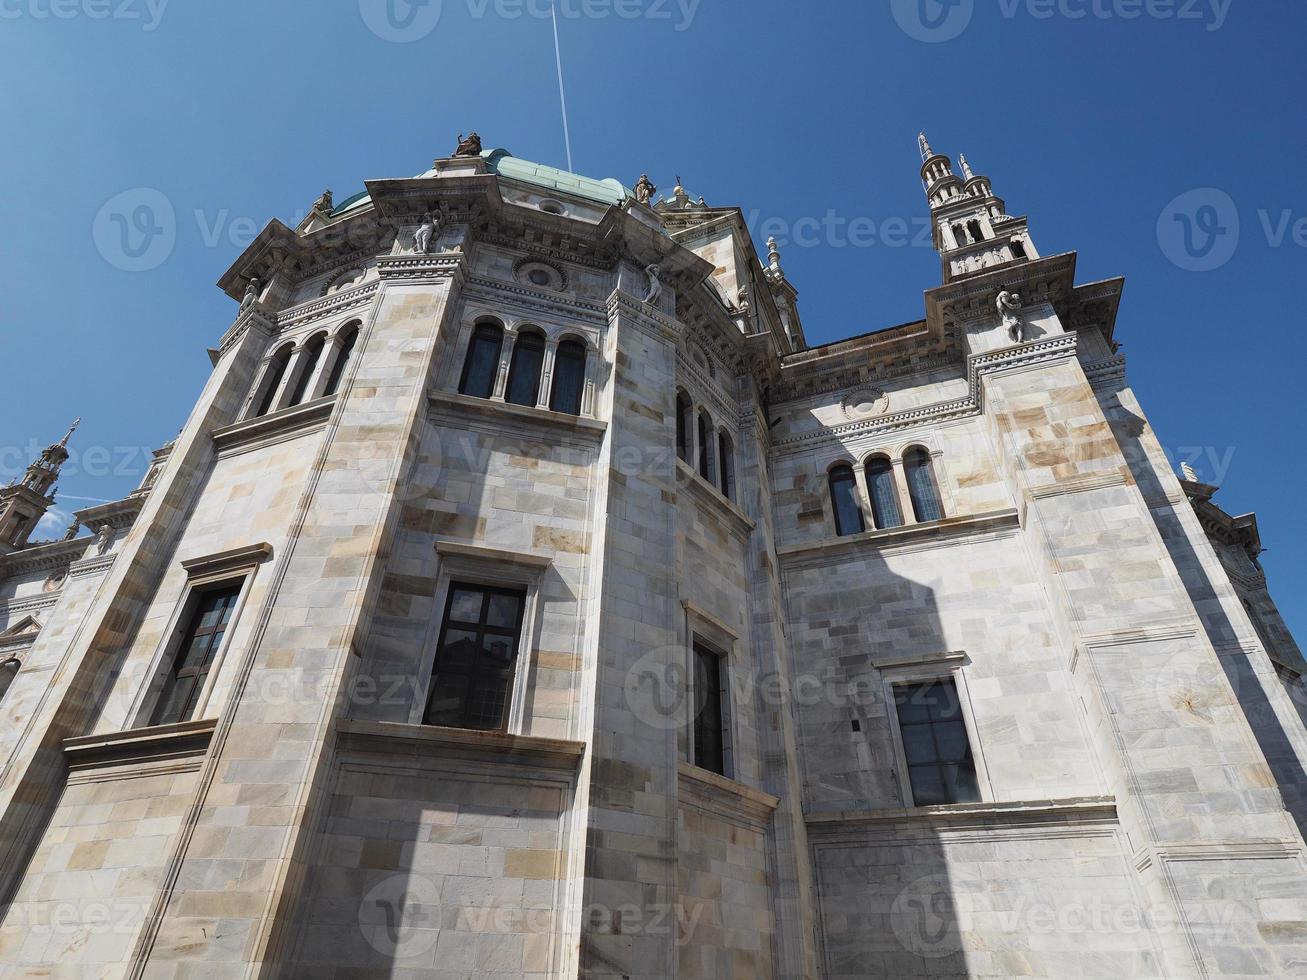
(18, 607)
(188, 740)
(57, 555)
(251, 318)
(287, 423)
(118, 514)
(316, 309)
(934, 534)
(442, 265)
(91, 566)
(1081, 816)
(534, 301)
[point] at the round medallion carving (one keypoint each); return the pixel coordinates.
(865, 403)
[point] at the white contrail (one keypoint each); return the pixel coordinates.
(562, 96)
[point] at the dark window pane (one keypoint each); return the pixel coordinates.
(921, 486)
(884, 495)
(276, 371)
(941, 768)
(308, 365)
(683, 413)
(960, 783)
(524, 372)
(482, 362)
(951, 741)
(726, 471)
(342, 362)
(705, 446)
(928, 786)
(844, 501)
(476, 658)
(709, 742)
(944, 704)
(918, 745)
(569, 378)
(197, 647)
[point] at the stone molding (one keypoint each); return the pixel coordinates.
(138, 746)
(320, 308)
(448, 407)
(17, 607)
(276, 427)
(909, 536)
(423, 268)
(1078, 816)
(698, 612)
(515, 295)
(402, 740)
(43, 557)
(227, 561)
(724, 797)
(500, 556)
(711, 499)
(91, 566)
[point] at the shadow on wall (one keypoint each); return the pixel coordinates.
(1245, 687)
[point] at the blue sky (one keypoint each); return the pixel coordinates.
(1097, 118)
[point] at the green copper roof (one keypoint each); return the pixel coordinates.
(607, 191)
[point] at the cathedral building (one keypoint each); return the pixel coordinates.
(525, 597)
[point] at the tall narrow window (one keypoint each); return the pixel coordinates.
(977, 233)
(884, 493)
(726, 467)
(476, 658)
(705, 446)
(272, 378)
(940, 765)
(200, 643)
(308, 366)
(524, 370)
(684, 419)
(345, 352)
(921, 486)
(844, 501)
(8, 671)
(709, 716)
(482, 362)
(1019, 249)
(960, 233)
(569, 378)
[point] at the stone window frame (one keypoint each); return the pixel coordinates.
(896, 453)
(906, 671)
(202, 574)
(319, 372)
(703, 629)
(492, 567)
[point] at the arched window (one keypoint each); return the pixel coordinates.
(307, 367)
(960, 233)
(482, 363)
(705, 446)
(726, 469)
(345, 350)
(883, 492)
(921, 486)
(569, 377)
(8, 671)
(977, 233)
(844, 501)
(272, 378)
(684, 415)
(524, 371)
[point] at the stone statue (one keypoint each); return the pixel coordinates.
(422, 237)
(1189, 473)
(1009, 308)
(324, 203)
(103, 538)
(645, 189)
(469, 147)
(251, 294)
(73, 529)
(655, 284)
(744, 304)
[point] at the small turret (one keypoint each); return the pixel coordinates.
(25, 501)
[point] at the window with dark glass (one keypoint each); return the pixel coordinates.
(726, 470)
(200, 642)
(884, 493)
(1018, 249)
(921, 486)
(308, 366)
(684, 414)
(844, 501)
(482, 363)
(935, 744)
(8, 671)
(569, 378)
(705, 446)
(272, 379)
(524, 370)
(343, 355)
(476, 658)
(709, 716)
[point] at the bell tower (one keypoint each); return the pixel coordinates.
(972, 230)
(24, 502)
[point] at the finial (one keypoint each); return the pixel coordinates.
(773, 254)
(1189, 473)
(71, 429)
(926, 151)
(966, 167)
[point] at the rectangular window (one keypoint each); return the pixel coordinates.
(940, 765)
(709, 716)
(200, 642)
(476, 658)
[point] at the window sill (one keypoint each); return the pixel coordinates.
(157, 743)
(710, 791)
(1083, 809)
(502, 748)
(908, 534)
(713, 499)
(457, 406)
(279, 425)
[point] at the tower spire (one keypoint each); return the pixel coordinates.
(69, 434)
(25, 501)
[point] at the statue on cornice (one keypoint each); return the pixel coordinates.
(645, 189)
(103, 538)
(422, 237)
(251, 294)
(1009, 308)
(469, 147)
(324, 203)
(655, 284)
